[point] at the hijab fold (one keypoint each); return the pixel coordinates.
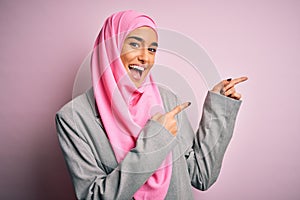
(125, 109)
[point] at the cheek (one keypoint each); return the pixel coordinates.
(125, 59)
(126, 56)
(152, 59)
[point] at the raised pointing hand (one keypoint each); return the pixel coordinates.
(226, 87)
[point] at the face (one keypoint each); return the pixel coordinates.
(138, 53)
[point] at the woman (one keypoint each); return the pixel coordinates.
(127, 138)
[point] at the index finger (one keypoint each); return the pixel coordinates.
(179, 108)
(239, 80)
(235, 81)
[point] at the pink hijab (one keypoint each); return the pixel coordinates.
(125, 109)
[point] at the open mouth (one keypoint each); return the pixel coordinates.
(136, 71)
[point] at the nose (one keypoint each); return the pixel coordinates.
(143, 56)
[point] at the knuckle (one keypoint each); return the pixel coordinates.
(168, 115)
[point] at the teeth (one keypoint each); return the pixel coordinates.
(136, 67)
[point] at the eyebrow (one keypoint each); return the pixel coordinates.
(142, 40)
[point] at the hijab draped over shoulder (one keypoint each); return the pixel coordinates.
(125, 109)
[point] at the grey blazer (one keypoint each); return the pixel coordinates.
(197, 157)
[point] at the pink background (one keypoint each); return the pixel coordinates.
(43, 44)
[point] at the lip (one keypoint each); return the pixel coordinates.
(139, 65)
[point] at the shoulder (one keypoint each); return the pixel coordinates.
(80, 106)
(169, 98)
(166, 92)
(77, 117)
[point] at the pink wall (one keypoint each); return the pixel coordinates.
(43, 44)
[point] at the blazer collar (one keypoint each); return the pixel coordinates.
(92, 101)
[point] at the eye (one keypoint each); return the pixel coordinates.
(134, 44)
(153, 50)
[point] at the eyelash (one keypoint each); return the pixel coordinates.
(152, 50)
(136, 45)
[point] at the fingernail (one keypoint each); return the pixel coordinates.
(222, 91)
(229, 79)
(189, 103)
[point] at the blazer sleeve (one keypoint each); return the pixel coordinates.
(204, 159)
(91, 180)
